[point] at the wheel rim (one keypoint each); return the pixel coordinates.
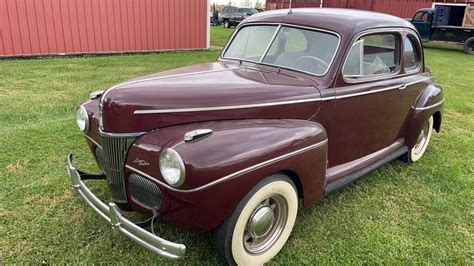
(422, 139)
(266, 224)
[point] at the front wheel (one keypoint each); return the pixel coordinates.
(261, 224)
(415, 153)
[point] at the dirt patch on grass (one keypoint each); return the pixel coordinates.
(16, 168)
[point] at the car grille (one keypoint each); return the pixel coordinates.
(144, 191)
(112, 161)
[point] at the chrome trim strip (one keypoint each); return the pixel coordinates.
(111, 213)
(93, 141)
(430, 106)
(417, 81)
(238, 173)
(365, 92)
(381, 90)
(120, 135)
(245, 106)
(221, 108)
(287, 25)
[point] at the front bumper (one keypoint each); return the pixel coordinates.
(111, 214)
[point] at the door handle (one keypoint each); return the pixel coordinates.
(402, 87)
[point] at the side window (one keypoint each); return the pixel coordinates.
(411, 55)
(372, 55)
(421, 16)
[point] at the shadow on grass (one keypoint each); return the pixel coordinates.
(446, 46)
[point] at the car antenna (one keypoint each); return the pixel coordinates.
(291, 10)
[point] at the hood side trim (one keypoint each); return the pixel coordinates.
(221, 108)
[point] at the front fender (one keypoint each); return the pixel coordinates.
(430, 102)
(223, 167)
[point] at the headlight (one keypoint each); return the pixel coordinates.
(82, 119)
(172, 168)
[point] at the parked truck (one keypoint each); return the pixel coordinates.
(447, 22)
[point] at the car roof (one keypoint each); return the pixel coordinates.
(340, 20)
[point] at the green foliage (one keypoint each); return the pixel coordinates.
(401, 213)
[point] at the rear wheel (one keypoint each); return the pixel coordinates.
(415, 153)
(261, 224)
(469, 46)
(226, 24)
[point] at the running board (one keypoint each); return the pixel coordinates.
(343, 181)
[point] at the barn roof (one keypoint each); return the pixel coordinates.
(343, 21)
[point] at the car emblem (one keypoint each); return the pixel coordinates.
(141, 162)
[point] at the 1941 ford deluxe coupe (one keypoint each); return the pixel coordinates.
(300, 103)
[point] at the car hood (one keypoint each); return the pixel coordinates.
(213, 91)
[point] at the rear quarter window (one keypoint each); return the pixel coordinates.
(411, 53)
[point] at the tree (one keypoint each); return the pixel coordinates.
(258, 5)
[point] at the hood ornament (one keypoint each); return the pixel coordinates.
(197, 134)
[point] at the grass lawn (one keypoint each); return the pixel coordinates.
(420, 213)
(219, 35)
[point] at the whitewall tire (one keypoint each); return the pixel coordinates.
(261, 224)
(415, 153)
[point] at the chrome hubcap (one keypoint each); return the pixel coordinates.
(261, 222)
(422, 138)
(266, 224)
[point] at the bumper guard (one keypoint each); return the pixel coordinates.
(111, 213)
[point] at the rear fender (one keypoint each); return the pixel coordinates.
(223, 167)
(430, 102)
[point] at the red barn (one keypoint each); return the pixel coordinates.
(401, 8)
(63, 27)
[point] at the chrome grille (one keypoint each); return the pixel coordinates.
(112, 161)
(144, 191)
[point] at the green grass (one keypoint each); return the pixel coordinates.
(401, 213)
(219, 35)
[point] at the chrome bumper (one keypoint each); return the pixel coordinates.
(111, 214)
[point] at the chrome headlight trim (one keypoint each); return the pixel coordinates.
(81, 113)
(179, 163)
(96, 94)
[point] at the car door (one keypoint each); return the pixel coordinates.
(367, 111)
(422, 22)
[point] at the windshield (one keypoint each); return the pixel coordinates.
(306, 50)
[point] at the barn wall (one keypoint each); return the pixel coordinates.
(46, 27)
(401, 8)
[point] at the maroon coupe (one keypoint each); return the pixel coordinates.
(300, 103)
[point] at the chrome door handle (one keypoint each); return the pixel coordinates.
(402, 87)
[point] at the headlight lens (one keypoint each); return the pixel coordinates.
(172, 168)
(82, 119)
